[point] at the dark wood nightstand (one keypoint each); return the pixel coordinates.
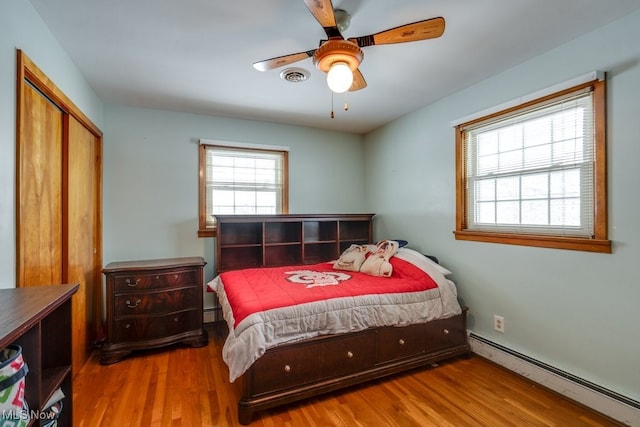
(153, 303)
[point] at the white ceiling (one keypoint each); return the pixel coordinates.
(195, 55)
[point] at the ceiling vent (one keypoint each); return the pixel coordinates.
(294, 75)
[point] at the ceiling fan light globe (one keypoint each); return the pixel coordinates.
(340, 77)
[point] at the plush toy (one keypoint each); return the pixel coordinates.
(377, 264)
(351, 259)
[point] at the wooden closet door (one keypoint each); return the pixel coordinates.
(82, 216)
(59, 199)
(39, 195)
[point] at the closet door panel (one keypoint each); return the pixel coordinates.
(83, 267)
(39, 204)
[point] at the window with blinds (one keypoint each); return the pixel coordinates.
(241, 181)
(534, 171)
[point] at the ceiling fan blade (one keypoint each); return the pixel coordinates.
(358, 81)
(421, 30)
(279, 61)
(322, 10)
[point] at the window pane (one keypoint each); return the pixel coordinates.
(486, 213)
(508, 188)
(565, 183)
(486, 190)
(507, 213)
(535, 186)
(243, 181)
(535, 212)
(565, 212)
(537, 132)
(487, 164)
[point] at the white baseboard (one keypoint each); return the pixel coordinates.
(619, 408)
(209, 315)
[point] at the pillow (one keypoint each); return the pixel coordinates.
(401, 243)
(417, 258)
(352, 258)
(377, 264)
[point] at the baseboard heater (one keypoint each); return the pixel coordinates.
(615, 405)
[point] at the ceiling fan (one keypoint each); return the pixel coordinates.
(340, 58)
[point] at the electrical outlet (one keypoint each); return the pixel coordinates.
(498, 323)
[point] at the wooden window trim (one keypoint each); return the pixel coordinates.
(599, 242)
(203, 230)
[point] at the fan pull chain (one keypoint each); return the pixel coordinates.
(332, 115)
(346, 102)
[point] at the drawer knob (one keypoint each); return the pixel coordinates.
(132, 284)
(446, 331)
(401, 341)
(176, 319)
(127, 325)
(133, 305)
(287, 368)
(349, 354)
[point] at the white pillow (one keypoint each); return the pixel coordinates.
(416, 257)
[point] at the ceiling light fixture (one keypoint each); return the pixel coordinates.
(339, 59)
(340, 77)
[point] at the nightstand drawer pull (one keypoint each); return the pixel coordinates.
(134, 305)
(287, 368)
(132, 284)
(349, 354)
(446, 331)
(401, 342)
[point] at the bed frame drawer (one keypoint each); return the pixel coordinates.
(281, 369)
(444, 333)
(346, 355)
(400, 342)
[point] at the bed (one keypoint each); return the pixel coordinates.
(299, 331)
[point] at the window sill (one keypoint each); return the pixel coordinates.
(555, 242)
(207, 232)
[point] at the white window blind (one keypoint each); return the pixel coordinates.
(532, 171)
(243, 181)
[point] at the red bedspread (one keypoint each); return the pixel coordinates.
(260, 289)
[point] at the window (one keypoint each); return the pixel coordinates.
(535, 174)
(241, 180)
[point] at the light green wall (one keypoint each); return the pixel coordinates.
(22, 28)
(151, 177)
(575, 310)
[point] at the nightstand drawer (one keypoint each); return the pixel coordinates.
(160, 302)
(150, 327)
(139, 281)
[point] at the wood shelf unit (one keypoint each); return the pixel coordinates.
(38, 319)
(248, 241)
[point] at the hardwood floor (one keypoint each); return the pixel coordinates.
(179, 386)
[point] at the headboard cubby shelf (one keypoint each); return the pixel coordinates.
(246, 241)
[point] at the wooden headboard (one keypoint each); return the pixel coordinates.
(247, 241)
